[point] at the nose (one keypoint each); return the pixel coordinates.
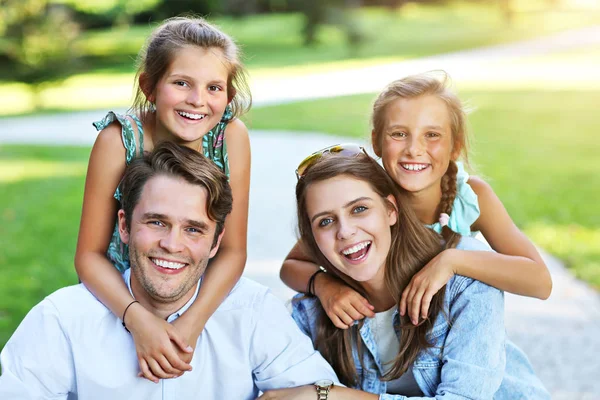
(416, 146)
(346, 229)
(171, 241)
(196, 97)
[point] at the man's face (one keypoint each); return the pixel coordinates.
(169, 240)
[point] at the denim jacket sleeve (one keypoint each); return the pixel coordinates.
(473, 356)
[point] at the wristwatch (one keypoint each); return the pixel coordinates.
(323, 387)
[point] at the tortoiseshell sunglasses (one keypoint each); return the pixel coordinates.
(347, 149)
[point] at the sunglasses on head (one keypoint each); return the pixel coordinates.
(348, 149)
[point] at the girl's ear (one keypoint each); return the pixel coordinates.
(375, 143)
(145, 87)
(392, 210)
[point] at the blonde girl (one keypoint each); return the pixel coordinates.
(190, 90)
(419, 131)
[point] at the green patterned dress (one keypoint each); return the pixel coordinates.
(213, 147)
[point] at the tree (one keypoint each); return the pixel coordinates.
(38, 41)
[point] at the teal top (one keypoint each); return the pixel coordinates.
(465, 209)
(213, 147)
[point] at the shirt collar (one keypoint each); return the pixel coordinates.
(175, 315)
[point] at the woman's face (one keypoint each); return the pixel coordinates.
(351, 225)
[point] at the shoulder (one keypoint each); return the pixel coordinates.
(480, 187)
(109, 142)
(246, 294)
(236, 135)
(72, 308)
(76, 302)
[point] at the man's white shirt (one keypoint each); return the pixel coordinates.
(70, 343)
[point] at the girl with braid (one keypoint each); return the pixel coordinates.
(419, 131)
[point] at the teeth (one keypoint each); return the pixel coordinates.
(414, 167)
(356, 248)
(167, 264)
(190, 115)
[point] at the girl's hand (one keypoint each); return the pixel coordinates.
(156, 342)
(342, 304)
(190, 333)
(308, 392)
(417, 296)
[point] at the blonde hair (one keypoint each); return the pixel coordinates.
(176, 33)
(434, 83)
(412, 247)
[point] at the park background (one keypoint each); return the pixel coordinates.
(535, 136)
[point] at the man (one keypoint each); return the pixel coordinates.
(173, 209)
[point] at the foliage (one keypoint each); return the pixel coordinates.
(39, 40)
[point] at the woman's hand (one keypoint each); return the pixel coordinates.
(308, 392)
(157, 343)
(417, 296)
(342, 304)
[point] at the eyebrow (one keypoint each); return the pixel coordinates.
(184, 76)
(348, 204)
(203, 226)
(436, 127)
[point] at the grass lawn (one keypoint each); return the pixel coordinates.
(273, 45)
(538, 150)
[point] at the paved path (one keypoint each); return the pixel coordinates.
(560, 335)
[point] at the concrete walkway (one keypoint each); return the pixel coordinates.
(560, 335)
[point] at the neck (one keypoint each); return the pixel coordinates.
(162, 309)
(378, 295)
(425, 204)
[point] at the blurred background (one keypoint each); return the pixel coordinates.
(529, 68)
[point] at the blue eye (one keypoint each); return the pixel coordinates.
(359, 209)
(193, 230)
(325, 221)
(155, 223)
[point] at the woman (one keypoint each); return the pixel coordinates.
(363, 232)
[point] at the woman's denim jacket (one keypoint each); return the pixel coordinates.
(471, 358)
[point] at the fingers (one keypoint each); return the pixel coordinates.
(363, 309)
(179, 342)
(425, 303)
(337, 321)
(174, 363)
(404, 299)
(160, 368)
(145, 371)
(415, 306)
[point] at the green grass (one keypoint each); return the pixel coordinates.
(538, 149)
(42, 189)
(273, 45)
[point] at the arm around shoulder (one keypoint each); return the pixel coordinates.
(105, 171)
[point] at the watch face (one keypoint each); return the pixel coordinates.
(324, 383)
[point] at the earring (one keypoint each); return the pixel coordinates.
(152, 106)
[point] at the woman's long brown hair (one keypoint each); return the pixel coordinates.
(412, 247)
